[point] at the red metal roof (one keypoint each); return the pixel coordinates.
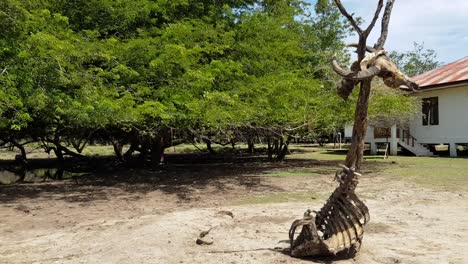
(452, 72)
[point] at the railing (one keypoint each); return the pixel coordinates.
(406, 137)
(382, 132)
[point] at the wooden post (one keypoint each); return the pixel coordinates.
(355, 153)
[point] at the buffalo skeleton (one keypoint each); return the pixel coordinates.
(339, 225)
(375, 63)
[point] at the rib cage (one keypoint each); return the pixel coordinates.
(337, 227)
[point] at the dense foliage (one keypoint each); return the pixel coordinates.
(153, 73)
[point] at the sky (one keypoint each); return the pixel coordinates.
(442, 25)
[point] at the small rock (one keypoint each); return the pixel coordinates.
(23, 208)
(204, 233)
(227, 213)
(202, 242)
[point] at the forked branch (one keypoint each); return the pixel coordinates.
(362, 34)
(376, 16)
(385, 20)
(348, 16)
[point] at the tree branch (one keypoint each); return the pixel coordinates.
(376, 16)
(385, 20)
(348, 16)
(68, 152)
(298, 127)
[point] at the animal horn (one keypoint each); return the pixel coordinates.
(412, 85)
(357, 76)
(355, 45)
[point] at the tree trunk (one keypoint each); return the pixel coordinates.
(354, 157)
(59, 154)
(157, 152)
(250, 145)
(275, 147)
(79, 144)
(209, 148)
(118, 146)
(65, 151)
(23, 159)
(128, 154)
(283, 150)
(144, 150)
(319, 141)
(269, 149)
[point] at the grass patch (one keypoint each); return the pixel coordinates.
(443, 173)
(317, 154)
(100, 150)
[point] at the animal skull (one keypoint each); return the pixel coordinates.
(376, 63)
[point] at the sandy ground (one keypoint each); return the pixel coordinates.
(70, 222)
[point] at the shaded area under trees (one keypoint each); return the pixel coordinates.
(153, 74)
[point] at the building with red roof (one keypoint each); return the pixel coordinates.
(452, 73)
(444, 112)
(442, 121)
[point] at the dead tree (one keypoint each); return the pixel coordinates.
(339, 225)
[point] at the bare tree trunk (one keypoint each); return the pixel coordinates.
(354, 157)
(344, 194)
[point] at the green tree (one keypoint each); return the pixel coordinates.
(416, 61)
(155, 73)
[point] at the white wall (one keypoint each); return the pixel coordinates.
(453, 117)
(369, 133)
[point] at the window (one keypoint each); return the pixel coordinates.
(430, 109)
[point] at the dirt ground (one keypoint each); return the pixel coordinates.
(155, 217)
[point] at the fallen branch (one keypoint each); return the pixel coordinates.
(202, 234)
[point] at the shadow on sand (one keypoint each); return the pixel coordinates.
(183, 175)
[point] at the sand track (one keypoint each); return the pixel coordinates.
(409, 224)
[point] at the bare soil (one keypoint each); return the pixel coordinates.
(143, 216)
